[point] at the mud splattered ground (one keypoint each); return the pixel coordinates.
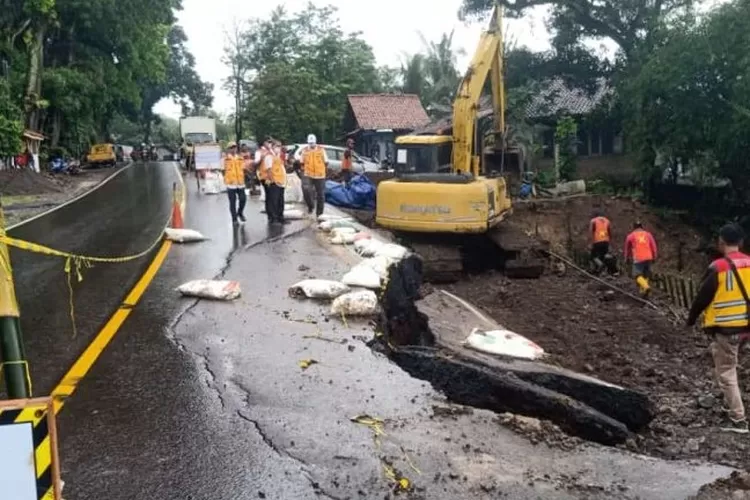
(586, 327)
(734, 487)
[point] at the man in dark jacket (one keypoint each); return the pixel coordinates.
(723, 301)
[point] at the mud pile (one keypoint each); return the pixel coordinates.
(586, 327)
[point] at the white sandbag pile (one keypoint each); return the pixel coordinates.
(359, 303)
(367, 247)
(293, 192)
(287, 206)
(183, 235)
(211, 289)
(318, 289)
(503, 342)
(328, 225)
(363, 276)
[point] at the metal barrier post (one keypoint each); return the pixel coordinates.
(12, 356)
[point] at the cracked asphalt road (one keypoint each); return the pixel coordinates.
(205, 400)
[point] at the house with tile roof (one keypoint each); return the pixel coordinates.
(375, 120)
(600, 147)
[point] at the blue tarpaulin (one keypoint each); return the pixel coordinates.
(358, 194)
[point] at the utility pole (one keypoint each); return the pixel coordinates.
(12, 356)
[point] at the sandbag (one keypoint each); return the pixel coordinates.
(342, 238)
(393, 251)
(379, 264)
(343, 230)
(503, 342)
(362, 276)
(329, 225)
(183, 235)
(211, 289)
(360, 303)
(328, 217)
(213, 183)
(367, 247)
(317, 289)
(362, 236)
(293, 191)
(294, 214)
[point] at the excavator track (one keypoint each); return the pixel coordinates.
(449, 258)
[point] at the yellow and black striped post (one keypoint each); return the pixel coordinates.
(12, 356)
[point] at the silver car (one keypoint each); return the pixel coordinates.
(335, 154)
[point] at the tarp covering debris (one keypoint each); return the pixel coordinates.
(359, 193)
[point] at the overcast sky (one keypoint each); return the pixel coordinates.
(391, 27)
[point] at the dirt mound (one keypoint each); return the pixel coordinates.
(585, 327)
(564, 223)
(735, 487)
(23, 181)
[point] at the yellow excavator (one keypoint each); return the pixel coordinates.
(449, 187)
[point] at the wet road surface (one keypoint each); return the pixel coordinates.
(121, 217)
(205, 400)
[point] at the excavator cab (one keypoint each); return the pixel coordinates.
(423, 154)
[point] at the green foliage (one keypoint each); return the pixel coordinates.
(297, 69)
(10, 126)
(566, 134)
(79, 67)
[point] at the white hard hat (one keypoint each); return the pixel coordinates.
(311, 139)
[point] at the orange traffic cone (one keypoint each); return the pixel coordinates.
(176, 211)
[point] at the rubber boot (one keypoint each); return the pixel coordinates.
(643, 285)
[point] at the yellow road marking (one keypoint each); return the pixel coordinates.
(67, 386)
(83, 364)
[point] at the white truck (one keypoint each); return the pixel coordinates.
(198, 129)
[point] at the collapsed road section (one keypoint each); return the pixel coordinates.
(424, 332)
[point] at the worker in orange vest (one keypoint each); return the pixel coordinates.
(348, 162)
(640, 248)
(234, 178)
(314, 164)
(261, 173)
(275, 180)
(601, 234)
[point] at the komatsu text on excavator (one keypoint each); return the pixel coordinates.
(453, 184)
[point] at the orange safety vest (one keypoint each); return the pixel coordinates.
(641, 247)
(234, 170)
(601, 229)
(314, 163)
(346, 163)
(260, 170)
(278, 171)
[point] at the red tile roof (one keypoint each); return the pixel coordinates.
(388, 111)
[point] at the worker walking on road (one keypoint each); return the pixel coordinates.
(640, 248)
(234, 178)
(601, 234)
(314, 163)
(723, 298)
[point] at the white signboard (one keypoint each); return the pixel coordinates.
(401, 156)
(17, 462)
(208, 157)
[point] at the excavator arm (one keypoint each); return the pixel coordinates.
(486, 62)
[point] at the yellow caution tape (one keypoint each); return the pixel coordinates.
(400, 482)
(373, 423)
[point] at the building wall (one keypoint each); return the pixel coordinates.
(616, 167)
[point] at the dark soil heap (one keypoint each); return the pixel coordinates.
(587, 327)
(25, 182)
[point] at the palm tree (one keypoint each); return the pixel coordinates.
(440, 62)
(412, 73)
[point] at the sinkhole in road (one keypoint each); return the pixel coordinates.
(580, 405)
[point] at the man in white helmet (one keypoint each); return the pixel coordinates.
(314, 163)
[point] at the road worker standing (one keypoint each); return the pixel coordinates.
(723, 298)
(234, 178)
(640, 249)
(261, 172)
(314, 163)
(601, 234)
(275, 179)
(347, 164)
